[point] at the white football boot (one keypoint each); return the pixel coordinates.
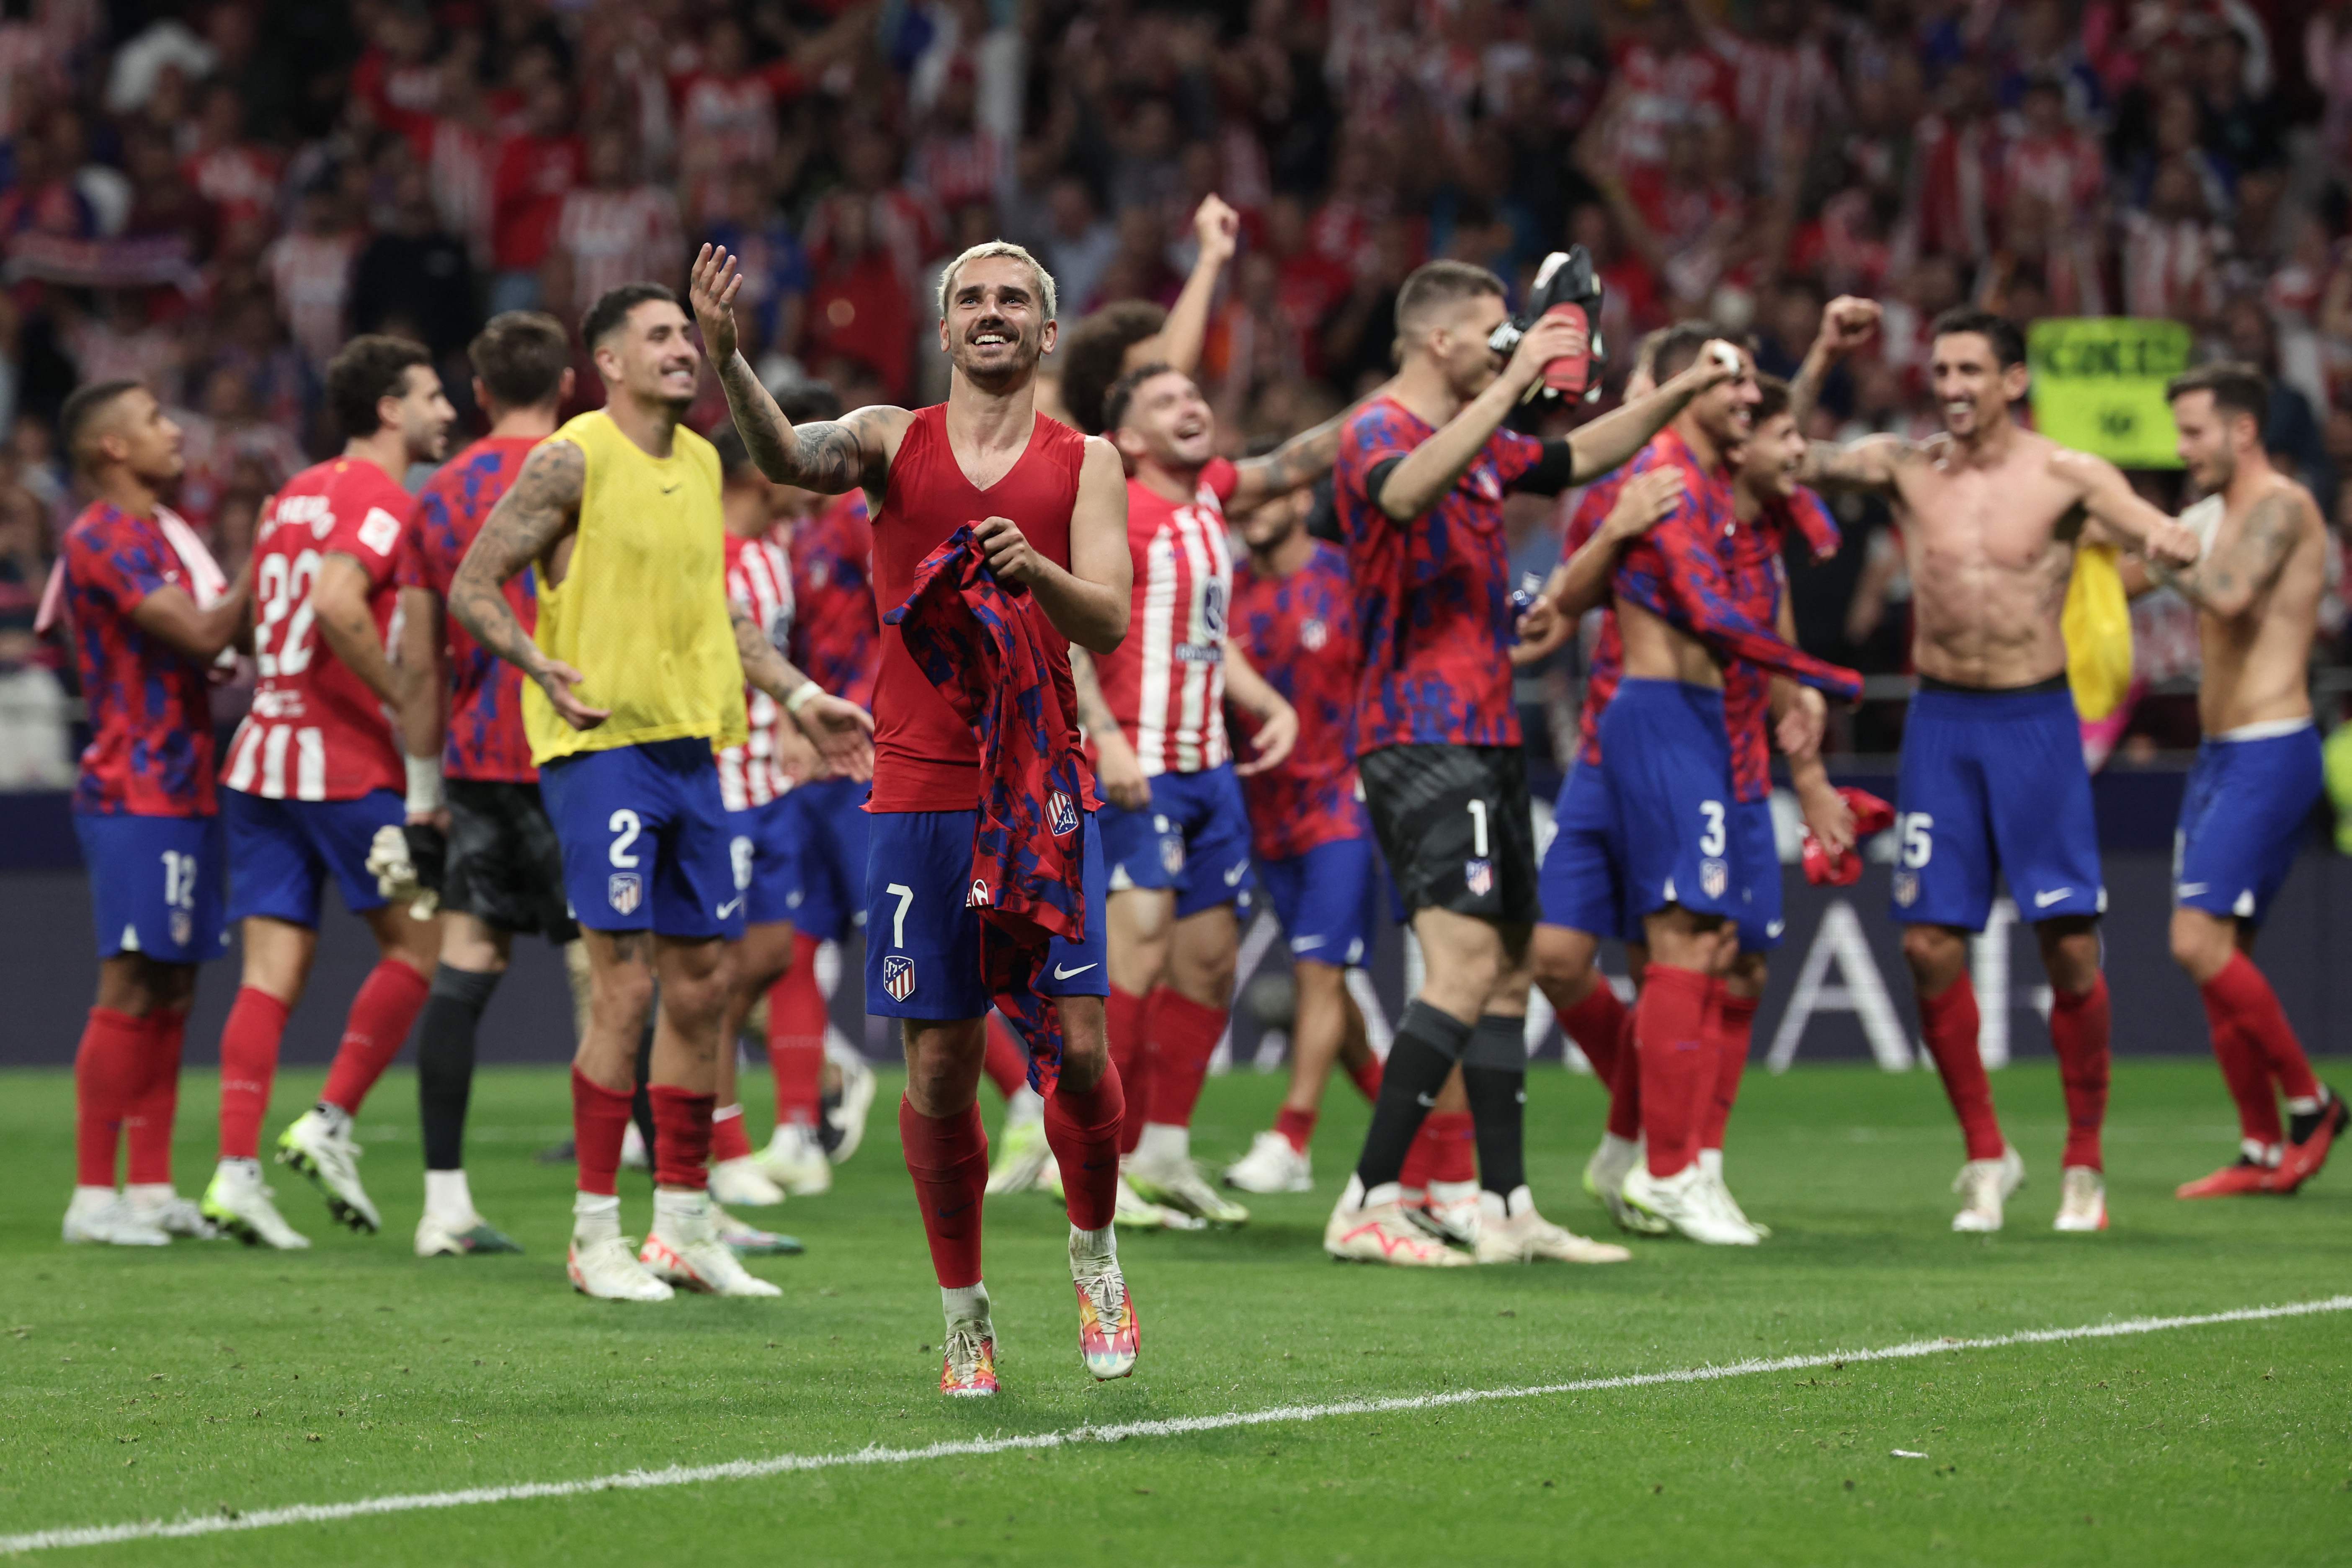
(1711, 1161)
(1512, 1232)
(238, 1202)
(635, 1155)
(1272, 1165)
(1178, 1184)
(1605, 1178)
(1022, 1151)
(1686, 1201)
(685, 1249)
(100, 1214)
(1449, 1211)
(461, 1235)
(318, 1144)
(1983, 1185)
(847, 1118)
(602, 1263)
(167, 1211)
(795, 1161)
(1373, 1228)
(2081, 1200)
(744, 1183)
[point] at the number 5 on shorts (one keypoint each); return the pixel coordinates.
(1914, 831)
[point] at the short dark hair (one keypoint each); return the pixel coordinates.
(2008, 342)
(1673, 350)
(1094, 350)
(1122, 391)
(613, 307)
(365, 371)
(81, 412)
(521, 356)
(2237, 388)
(807, 402)
(1435, 283)
(1771, 398)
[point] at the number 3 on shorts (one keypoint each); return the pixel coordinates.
(1913, 831)
(1712, 839)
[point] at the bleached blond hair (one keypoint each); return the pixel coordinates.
(1004, 247)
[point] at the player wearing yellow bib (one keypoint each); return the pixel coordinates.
(638, 665)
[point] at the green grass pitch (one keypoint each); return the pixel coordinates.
(208, 1378)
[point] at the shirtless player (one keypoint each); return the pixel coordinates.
(1992, 775)
(2257, 591)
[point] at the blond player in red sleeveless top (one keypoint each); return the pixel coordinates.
(1050, 511)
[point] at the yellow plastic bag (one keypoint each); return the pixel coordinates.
(2096, 622)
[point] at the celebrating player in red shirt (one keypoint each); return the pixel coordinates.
(146, 621)
(315, 773)
(504, 873)
(1047, 507)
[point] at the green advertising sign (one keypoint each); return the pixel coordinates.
(2099, 386)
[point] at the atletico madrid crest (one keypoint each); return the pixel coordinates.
(1061, 815)
(1478, 875)
(1906, 888)
(898, 977)
(624, 890)
(1714, 877)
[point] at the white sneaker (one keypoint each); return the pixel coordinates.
(742, 1182)
(1372, 1227)
(1710, 1162)
(2081, 1200)
(1513, 1232)
(318, 1144)
(239, 1205)
(461, 1235)
(1605, 1178)
(685, 1249)
(848, 1118)
(1022, 1151)
(795, 1160)
(1450, 1212)
(1686, 1201)
(607, 1269)
(1272, 1165)
(1982, 1185)
(1131, 1212)
(102, 1215)
(748, 1240)
(635, 1155)
(168, 1211)
(1178, 1184)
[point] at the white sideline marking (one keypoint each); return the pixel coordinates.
(787, 1464)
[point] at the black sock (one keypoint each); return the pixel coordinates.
(641, 1104)
(1495, 1077)
(2302, 1124)
(445, 1061)
(1428, 1043)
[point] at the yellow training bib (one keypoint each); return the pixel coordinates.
(2096, 622)
(642, 610)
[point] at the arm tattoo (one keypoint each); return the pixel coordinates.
(824, 455)
(764, 667)
(1859, 465)
(2250, 566)
(539, 509)
(1302, 459)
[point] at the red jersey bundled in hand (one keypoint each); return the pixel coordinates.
(978, 643)
(836, 633)
(1300, 632)
(316, 732)
(485, 725)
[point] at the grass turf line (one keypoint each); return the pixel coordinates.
(415, 1376)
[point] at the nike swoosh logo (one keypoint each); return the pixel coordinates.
(1095, 1165)
(1427, 1102)
(1061, 973)
(2044, 900)
(1233, 878)
(947, 1214)
(669, 489)
(2190, 889)
(730, 907)
(1776, 928)
(1304, 944)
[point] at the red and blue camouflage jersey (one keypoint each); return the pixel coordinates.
(1678, 572)
(486, 739)
(1432, 596)
(151, 746)
(1607, 667)
(977, 644)
(1752, 559)
(836, 635)
(1300, 632)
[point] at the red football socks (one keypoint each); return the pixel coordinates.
(1183, 1036)
(1949, 1022)
(1083, 1131)
(1123, 1022)
(1677, 1067)
(249, 1049)
(147, 1128)
(108, 1068)
(1367, 1079)
(796, 1027)
(2244, 1069)
(1625, 1084)
(728, 1140)
(2078, 1031)
(599, 1120)
(1595, 1024)
(1296, 1126)
(2244, 991)
(1451, 1144)
(682, 1135)
(381, 1014)
(948, 1157)
(1734, 1027)
(1007, 1062)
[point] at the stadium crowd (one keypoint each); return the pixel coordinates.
(212, 196)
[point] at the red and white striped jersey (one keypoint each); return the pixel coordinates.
(614, 237)
(1166, 682)
(759, 578)
(316, 731)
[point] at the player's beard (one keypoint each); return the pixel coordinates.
(1004, 377)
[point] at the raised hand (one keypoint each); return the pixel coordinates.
(711, 290)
